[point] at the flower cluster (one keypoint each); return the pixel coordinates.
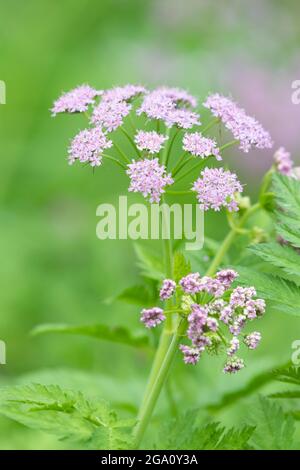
(168, 104)
(110, 114)
(88, 146)
(75, 101)
(151, 141)
(216, 188)
(215, 313)
(247, 130)
(200, 146)
(152, 317)
(283, 161)
(149, 178)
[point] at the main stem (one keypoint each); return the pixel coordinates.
(167, 350)
(165, 337)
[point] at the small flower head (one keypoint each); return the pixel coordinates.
(110, 114)
(149, 178)
(200, 146)
(252, 340)
(167, 289)
(216, 188)
(183, 118)
(191, 355)
(226, 277)
(234, 346)
(191, 283)
(124, 93)
(76, 100)
(152, 317)
(88, 145)
(283, 161)
(150, 141)
(244, 128)
(233, 365)
(212, 318)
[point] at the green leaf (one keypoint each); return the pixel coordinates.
(117, 334)
(67, 414)
(252, 386)
(142, 294)
(185, 433)
(151, 264)
(286, 394)
(290, 375)
(181, 267)
(273, 429)
(283, 295)
(282, 257)
(288, 231)
(287, 191)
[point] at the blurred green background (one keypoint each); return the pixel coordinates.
(53, 268)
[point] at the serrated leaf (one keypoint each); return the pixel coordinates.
(181, 267)
(139, 294)
(287, 191)
(117, 334)
(250, 387)
(284, 295)
(286, 394)
(280, 256)
(67, 414)
(150, 264)
(290, 375)
(186, 433)
(274, 429)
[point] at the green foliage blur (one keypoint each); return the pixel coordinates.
(53, 269)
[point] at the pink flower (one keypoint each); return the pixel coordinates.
(76, 100)
(150, 141)
(167, 289)
(233, 365)
(88, 145)
(190, 355)
(200, 146)
(252, 340)
(124, 93)
(216, 188)
(110, 114)
(152, 317)
(182, 118)
(149, 178)
(283, 161)
(244, 128)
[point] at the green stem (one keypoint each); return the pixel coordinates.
(120, 151)
(168, 325)
(130, 140)
(147, 409)
(165, 356)
(229, 144)
(166, 149)
(190, 170)
(229, 239)
(181, 163)
(171, 145)
(210, 124)
(113, 159)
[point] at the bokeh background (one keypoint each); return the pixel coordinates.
(52, 266)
